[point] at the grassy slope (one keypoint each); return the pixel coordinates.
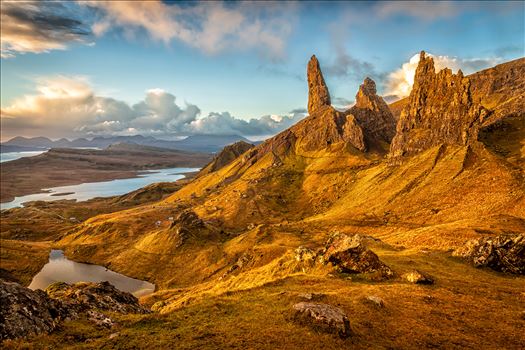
(466, 308)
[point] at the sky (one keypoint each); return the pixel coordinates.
(171, 69)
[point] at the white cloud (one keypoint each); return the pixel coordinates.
(212, 27)
(68, 106)
(399, 82)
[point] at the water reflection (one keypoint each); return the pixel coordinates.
(61, 269)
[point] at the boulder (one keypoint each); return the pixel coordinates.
(505, 253)
(318, 95)
(323, 317)
(99, 319)
(84, 296)
(377, 301)
(25, 312)
(350, 255)
(417, 277)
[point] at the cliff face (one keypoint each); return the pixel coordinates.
(372, 114)
(440, 110)
(501, 90)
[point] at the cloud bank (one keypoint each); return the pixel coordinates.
(68, 106)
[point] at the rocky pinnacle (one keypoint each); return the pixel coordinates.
(318, 95)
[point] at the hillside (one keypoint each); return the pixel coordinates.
(318, 174)
(270, 226)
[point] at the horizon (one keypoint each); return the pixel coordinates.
(170, 78)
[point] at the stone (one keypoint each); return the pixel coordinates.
(377, 301)
(25, 312)
(99, 319)
(417, 277)
(312, 296)
(303, 254)
(323, 317)
(318, 95)
(440, 110)
(114, 335)
(504, 253)
(350, 255)
(84, 296)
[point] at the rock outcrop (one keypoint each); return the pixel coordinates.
(25, 312)
(185, 224)
(440, 110)
(500, 89)
(505, 253)
(323, 317)
(84, 296)
(373, 115)
(350, 255)
(318, 95)
(226, 156)
(327, 127)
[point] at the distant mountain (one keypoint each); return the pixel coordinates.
(195, 143)
(13, 148)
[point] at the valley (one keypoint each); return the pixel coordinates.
(67, 166)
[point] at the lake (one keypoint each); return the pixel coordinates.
(7, 156)
(91, 190)
(61, 269)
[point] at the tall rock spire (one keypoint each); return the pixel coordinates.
(318, 95)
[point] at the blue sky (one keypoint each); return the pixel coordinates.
(171, 69)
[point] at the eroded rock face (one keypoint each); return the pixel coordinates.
(350, 255)
(318, 95)
(24, 312)
(440, 110)
(505, 253)
(326, 127)
(323, 317)
(83, 296)
(373, 114)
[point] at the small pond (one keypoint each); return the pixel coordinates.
(61, 269)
